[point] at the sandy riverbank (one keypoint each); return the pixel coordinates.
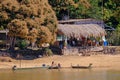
(98, 61)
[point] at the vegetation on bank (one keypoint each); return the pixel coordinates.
(34, 22)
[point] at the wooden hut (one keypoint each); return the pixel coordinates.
(79, 30)
(82, 30)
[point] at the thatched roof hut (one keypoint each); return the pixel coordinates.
(87, 21)
(81, 30)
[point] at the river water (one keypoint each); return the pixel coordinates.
(62, 74)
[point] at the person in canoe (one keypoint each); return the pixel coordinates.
(54, 66)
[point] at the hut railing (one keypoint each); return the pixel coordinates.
(109, 50)
(89, 50)
(85, 51)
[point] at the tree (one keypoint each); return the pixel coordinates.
(107, 10)
(17, 28)
(27, 19)
(115, 36)
(95, 11)
(69, 8)
(110, 11)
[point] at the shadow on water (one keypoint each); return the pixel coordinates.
(62, 74)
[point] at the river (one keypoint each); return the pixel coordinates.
(62, 74)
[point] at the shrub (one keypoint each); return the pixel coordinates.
(22, 44)
(48, 52)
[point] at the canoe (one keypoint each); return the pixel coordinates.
(56, 67)
(82, 67)
(16, 68)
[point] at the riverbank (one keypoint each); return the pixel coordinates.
(98, 61)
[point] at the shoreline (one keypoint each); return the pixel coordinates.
(99, 61)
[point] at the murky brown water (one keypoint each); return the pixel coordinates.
(63, 74)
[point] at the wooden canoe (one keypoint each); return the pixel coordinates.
(56, 67)
(82, 67)
(18, 68)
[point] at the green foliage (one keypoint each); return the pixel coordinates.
(71, 8)
(111, 12)
(22, 44)
(1, 27)
(77, 8)
(117, 14)
(95, 11)
(114, 36)
(48, 52)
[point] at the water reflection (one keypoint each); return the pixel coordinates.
(63, 74)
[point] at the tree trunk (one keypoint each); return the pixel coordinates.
(33, 45)
(12, 43)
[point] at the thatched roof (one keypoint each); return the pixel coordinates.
(81, 30)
